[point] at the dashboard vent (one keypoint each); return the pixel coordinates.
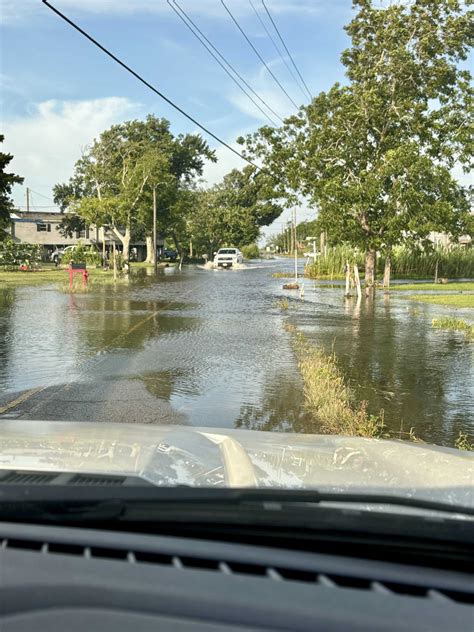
(27, 478)
(232, 567)
(97, 480)
(24, 477)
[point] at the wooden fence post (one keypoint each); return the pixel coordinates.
(357, 281)
(348, 280)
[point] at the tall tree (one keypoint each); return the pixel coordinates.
(7, 180)
(113, 181)
(376, 155)
(233, 211)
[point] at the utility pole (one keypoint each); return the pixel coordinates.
(155, 262)
(103, 247)
(295, 245)
(27, 199)
(115, 261)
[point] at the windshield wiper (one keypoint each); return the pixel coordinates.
(267, 499)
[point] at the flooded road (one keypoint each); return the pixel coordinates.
(209, 348)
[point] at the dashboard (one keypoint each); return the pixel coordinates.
(54, 578)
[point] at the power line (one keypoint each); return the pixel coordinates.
(256, 52)
(176, 9)
(275, 46)
(229, 64)
(36, 206)
(146, 83)
(41, 195)
(284, 45)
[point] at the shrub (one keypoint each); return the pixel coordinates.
(415, 262)
(453, 263)
(332, 263)
(13, 255)
(82, 254)
(251, 251)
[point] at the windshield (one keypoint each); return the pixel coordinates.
(327, 150)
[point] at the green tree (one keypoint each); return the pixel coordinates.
(7, 180)
(113, 181)
(376, 155)
(233, 211)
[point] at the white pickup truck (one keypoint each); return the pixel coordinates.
(227, 257)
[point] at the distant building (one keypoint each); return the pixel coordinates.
(43, 228)
(444, 240)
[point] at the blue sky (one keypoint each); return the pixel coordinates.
(58, 92)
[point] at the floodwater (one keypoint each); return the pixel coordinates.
(210, 348)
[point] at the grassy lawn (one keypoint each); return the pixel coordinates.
(161, 264)
(49, 275)
(467, 286)
(449, 300)
(443, 289)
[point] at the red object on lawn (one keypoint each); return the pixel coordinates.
(77, 268)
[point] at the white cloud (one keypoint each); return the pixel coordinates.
(226, 161)
(46, 143)
(266, 87)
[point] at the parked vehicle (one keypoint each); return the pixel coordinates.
(227, 257)
(168, 253)
(58, 253)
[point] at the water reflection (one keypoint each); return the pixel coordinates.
(7, 302)
(280, 408)
(163, 384)
(396, 361)
(210, 349)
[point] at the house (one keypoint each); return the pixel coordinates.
(444, 240)
(43, 228)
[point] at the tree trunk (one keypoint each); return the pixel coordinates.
(126, 244)
(149, 249)
(177, 244)
(348, 280)
(125, 239)
(369, 269)
(357, 281)
(387, 270)
(322, 243)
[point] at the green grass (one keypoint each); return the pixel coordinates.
(144, 264)
(449, 300)
(466, 286)
(283, 275)
(409, 263)
(10, 279)
(462, 442)
(328, 397)
(54, 275)
(454, 324)
(282, 303)
(329, 277)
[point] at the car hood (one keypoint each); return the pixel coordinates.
(180, 455)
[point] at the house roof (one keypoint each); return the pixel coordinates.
(35, 216)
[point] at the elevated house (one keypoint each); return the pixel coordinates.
(43, 228)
